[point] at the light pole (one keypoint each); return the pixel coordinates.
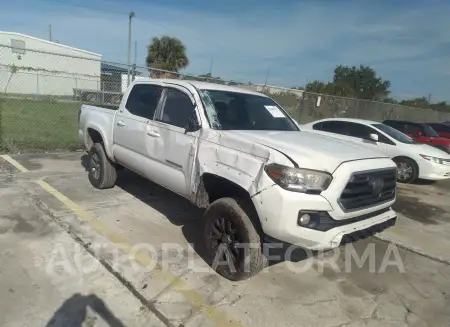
(129, 45)
(267, 76)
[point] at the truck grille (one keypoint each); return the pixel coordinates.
(366, 189)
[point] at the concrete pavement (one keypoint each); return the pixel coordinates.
(131, 226)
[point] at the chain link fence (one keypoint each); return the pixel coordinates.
(41, 92)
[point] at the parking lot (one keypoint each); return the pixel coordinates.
(69, 251)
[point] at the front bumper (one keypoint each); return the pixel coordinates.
(278, 210)
(279, 218)
(433, 171)
(367, 232)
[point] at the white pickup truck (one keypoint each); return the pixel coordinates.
(241, 156)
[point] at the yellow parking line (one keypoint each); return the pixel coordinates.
(14, 163)
(219, 317)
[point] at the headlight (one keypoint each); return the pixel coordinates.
(298, 180)
(433, 159)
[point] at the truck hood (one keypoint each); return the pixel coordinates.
(310, 150)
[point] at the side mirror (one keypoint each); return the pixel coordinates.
(193, 125)
(419, 133)
(373, 137)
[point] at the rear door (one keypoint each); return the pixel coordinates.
(130, 126)
(169, 144)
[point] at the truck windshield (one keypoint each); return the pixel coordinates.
(241, 111)
(395, 134)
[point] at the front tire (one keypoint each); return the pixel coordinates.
(407, 171)
(102, 172)
(233, 243)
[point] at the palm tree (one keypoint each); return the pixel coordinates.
(167, 53)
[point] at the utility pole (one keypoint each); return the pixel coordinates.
(133, 73)
(50, 32)
(131, 15)
(135, 51)
(210, 66)
(267, 76)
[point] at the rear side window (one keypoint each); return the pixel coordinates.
(143, 100)
(317, 126)
(178, 108)
(338, 127)
(441, 128)
(359, 130)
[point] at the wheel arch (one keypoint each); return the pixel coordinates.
(213, 187)
(408, 158)
(96, 134)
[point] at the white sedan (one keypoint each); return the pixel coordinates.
(414, 160)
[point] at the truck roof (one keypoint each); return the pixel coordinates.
(202, 85)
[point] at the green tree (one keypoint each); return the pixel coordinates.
(441, 106)
(362, 81)
(416, 102)
(167, 53)
(316, 87)
(425, 104)
(390, 100)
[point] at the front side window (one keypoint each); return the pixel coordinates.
(394, 133)
(241, 111)
(177, 109)
(143, 100)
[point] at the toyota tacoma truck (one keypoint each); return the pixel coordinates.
(239, 155)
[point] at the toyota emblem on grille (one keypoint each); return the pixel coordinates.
(377, 186)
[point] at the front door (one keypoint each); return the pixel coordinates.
(169, 143)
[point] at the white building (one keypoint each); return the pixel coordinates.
(29, 65)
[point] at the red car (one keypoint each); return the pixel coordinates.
(422, 133)
(442, 129)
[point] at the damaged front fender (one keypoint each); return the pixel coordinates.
(234, 159)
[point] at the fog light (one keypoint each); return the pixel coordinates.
(304, 219)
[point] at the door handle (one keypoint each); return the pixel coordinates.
(153, 134)
(120, 123)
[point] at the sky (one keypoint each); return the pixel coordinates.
(288, 42)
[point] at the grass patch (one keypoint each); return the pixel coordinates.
(42, 124)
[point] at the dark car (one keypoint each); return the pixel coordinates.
(442, 129)
(420, 132)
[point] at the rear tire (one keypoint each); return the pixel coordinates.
(407, 171)
(232, 242)
(102, 172)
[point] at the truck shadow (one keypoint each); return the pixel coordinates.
(181, 212)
